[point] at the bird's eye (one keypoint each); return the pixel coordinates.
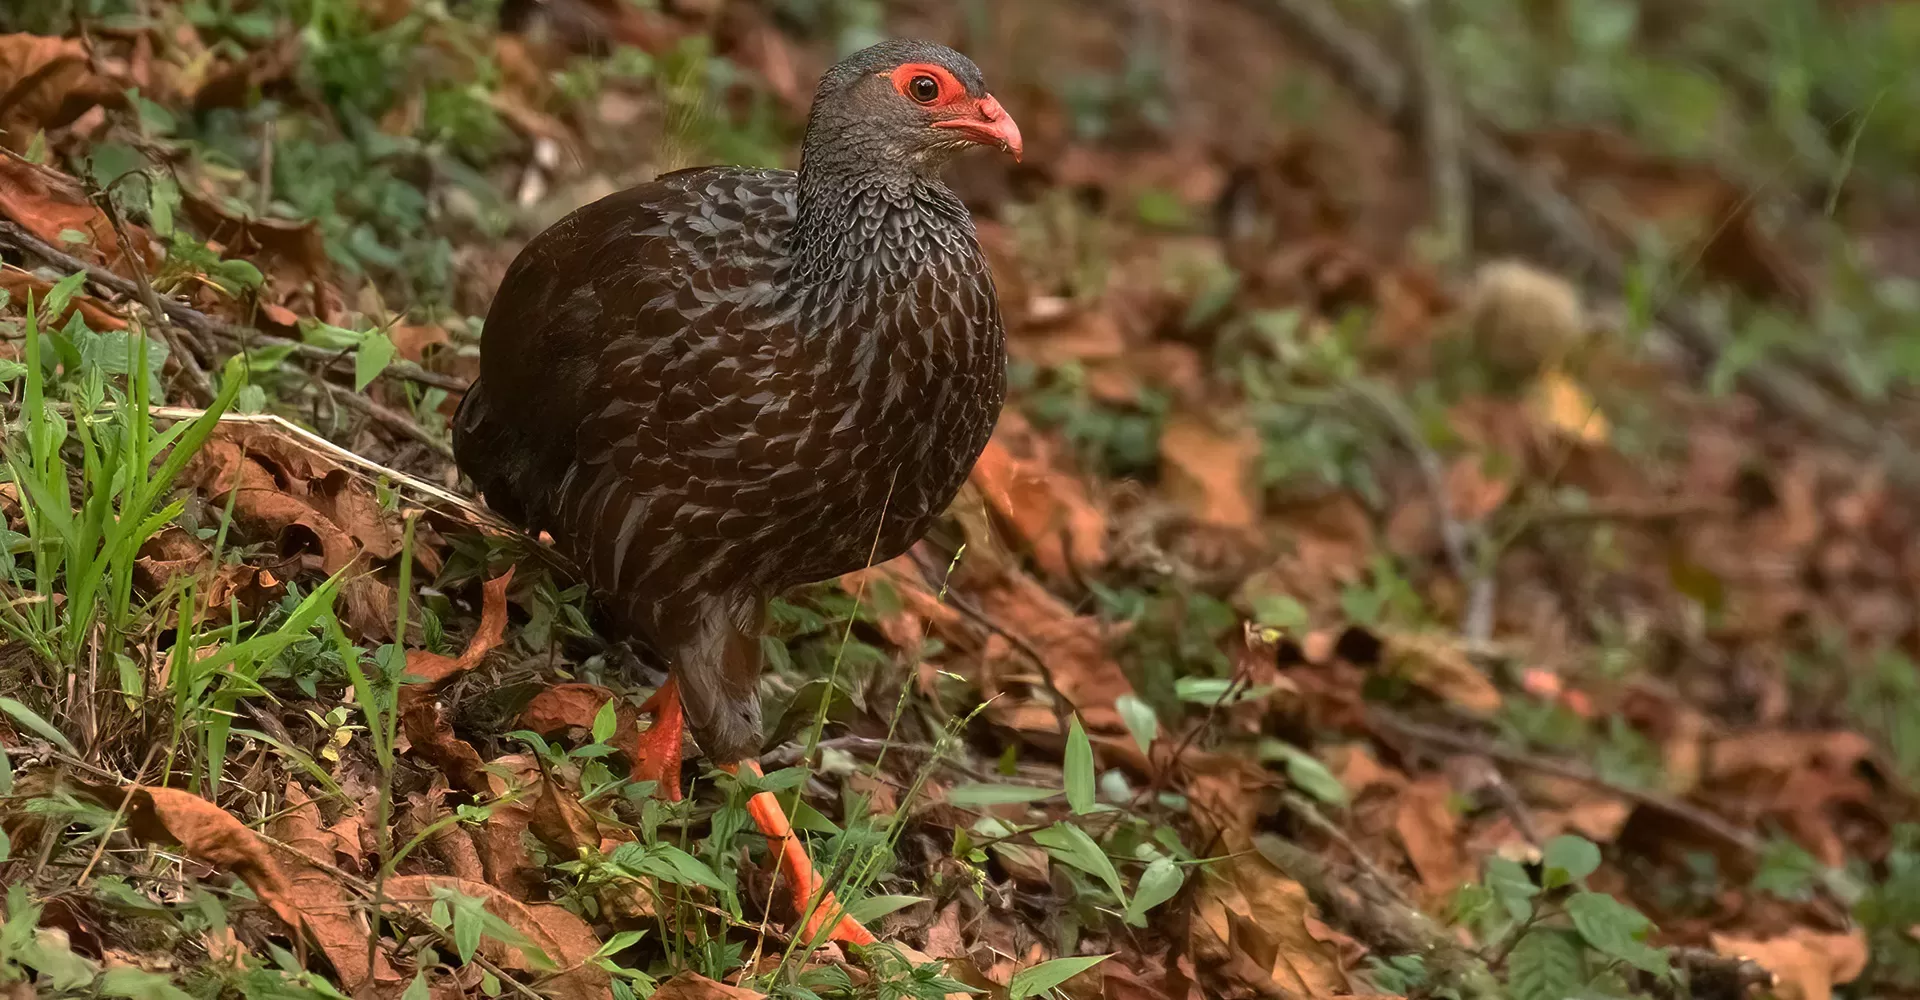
(924, 89)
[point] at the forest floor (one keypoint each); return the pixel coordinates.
(1337, 610)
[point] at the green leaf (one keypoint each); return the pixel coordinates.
(370, 359)
(417, 990)
(1214, 691)
(1140, 718)
(605, 722)
(670, 863)
(466, 929)
(975, 795)
(1305, 771)
(873, 908)
(1512, 887)
(1545, 965)
(1281, 612)
(58, 296)
(1160, 882)
(139, 984)
(28, 718)
(1038, 979)
(619, 942)
(1071, 845)
(1616, 929)
(1078, 768)
(1568, 859)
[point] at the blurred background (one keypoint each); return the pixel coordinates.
(1441, 430)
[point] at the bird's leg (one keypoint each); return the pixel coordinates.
(656, 755)
(803, 882)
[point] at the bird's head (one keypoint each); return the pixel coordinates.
(908, 101)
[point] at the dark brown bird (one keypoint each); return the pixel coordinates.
(731, 381)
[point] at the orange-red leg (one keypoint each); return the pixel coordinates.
(656, 755)
(803, 882)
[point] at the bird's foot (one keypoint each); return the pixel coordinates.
(811, 898)
(656, 755)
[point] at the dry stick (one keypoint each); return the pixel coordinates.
(1690, 814)
(197, 382)
(1363, 69)
(17, 237)
(1440, 129)
(1465, 547)
(392, 420)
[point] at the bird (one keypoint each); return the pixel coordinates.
(728, 382)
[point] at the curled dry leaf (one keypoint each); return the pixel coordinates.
(1806, 964)
(46, 83)
(309, 506)
(1048, 510)
(333, 921)
(429, 733)
(209, 834)
(1258, 925)
(564, 937)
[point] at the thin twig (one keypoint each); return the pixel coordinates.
(1690, 814)
(193, 319)
(1466, 547)
(1440, 130)
(393, 420)
(197, 382)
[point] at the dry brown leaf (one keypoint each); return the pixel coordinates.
(429, 733)
(574, 706)
(564, 937)
(694, 986)
(21, 285)
(1209, 471)
(1559, 404)
(208, 833)
(1047, 509)
(334, 922)
(1076, 649)
(46, 83)
(49, 203)
(1255, 921)
(1430, 832)
(1806, 964)
(1437, 664)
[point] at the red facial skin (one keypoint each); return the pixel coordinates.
(980, 120)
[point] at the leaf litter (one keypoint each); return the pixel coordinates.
(1111, 580)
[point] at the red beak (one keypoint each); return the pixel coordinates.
(990, 125)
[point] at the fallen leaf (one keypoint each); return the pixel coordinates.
(1048, 510)
(564, 937)
(209, 834)
(1430, 832)
(694, 986)
(1560, 404)
(49, 203)
(1076, 650)
(46, 83)
(334, 922)
(21, 285)
(1437, 663)
(1806, 964)
(1209, 471)
(1255, 920)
